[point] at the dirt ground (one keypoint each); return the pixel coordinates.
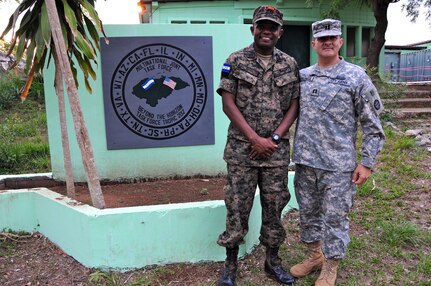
(34, 260)
(153, 192)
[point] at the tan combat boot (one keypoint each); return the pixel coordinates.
(313, 261)
(328, 275)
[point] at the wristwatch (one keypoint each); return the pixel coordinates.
(276, 138)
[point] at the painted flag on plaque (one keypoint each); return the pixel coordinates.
(169, 82)
(148, 83)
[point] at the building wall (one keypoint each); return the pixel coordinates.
(358, 21)
(143, 162)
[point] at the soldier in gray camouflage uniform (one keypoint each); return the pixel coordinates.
(259, 88)
(335, 96)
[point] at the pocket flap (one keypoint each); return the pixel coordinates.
(246, 74)
(285, 79)
(326, 100)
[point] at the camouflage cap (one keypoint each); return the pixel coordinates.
(327, 27)
(268, 13)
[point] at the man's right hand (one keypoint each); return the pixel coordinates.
(262, 148)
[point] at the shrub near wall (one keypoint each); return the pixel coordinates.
(23, 137)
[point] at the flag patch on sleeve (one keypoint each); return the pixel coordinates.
(225, 71)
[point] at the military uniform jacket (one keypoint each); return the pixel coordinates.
(263, 96)
(332, 102)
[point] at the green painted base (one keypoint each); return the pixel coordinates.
(126, 238)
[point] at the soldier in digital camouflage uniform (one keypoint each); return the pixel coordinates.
(335, 96)
(259, 87)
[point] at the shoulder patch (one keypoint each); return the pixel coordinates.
(225, 71)
(377, 105)
(373, 99)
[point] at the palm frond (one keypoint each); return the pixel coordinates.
(80, 25)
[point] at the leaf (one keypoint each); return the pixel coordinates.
(92, 31)
(75, 73)
(11, 23)
(87, 85)
(45, 27)
(26, 18)
(69, 13)
(13, 19)
(92, 13)
(30, 54)
(40, 45)
(94, 17)
(65, 36)
(40, 63)
(86, 67)
(21, 47)
(84, 46)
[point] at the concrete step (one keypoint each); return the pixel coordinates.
(419, 86)
(409, 102)
(409, 94)
(411, 90)
(414, 112)
(417, 93)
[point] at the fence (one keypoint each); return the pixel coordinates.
(409, 67)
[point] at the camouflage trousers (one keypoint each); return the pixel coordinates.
(324, 199)
(239, 194)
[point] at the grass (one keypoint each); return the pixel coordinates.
(23, 132)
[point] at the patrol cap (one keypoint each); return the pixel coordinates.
(326, 27)
(268, 13)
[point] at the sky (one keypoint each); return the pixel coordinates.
(400, 30)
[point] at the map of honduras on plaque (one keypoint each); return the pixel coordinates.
(158, 91)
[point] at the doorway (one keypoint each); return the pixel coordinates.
(296, 42)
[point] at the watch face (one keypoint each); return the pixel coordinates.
(275, 137)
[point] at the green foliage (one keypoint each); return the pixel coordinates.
(424, 265)
(23, 141)
(10, 87)
(400, 234)
(100, 278)
(33, 40)
(335, 6)
(412, 8)
(24, 158)
(404, 143)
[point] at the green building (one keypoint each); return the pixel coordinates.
(358, 23)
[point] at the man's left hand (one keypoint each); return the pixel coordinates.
(361, 174)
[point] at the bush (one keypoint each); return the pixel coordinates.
(24, 158)
(10, 86)
(37, 92)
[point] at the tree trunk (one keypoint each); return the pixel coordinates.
(380, 8)
(70, 186)
(78, 119)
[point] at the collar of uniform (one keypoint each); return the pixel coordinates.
(251, 53)
(332, 71)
